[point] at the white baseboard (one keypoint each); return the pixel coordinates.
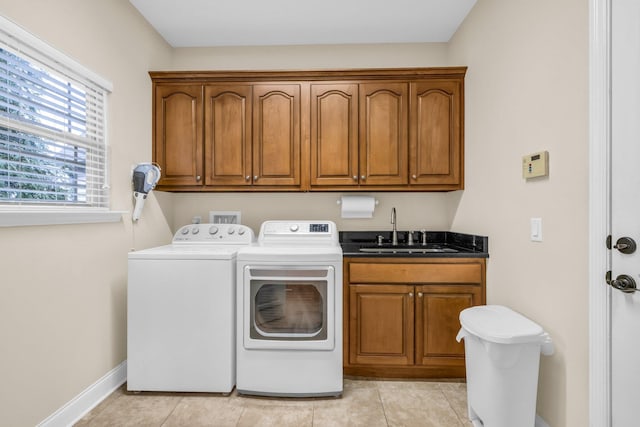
(80, 405)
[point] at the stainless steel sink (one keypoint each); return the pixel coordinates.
(407, 250)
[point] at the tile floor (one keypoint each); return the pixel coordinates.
(363, 403)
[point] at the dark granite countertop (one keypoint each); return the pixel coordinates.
(439, 244)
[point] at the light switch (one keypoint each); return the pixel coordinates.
(536, 229)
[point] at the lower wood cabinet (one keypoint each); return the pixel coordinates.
(401, 315)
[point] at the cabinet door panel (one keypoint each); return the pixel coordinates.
(436, 133)
(438, 309)
(383, 133)
(178, 134)
(227, 135)
(276, 128)
(381, 324)
(334, 134)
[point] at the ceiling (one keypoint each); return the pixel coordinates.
(204, 23)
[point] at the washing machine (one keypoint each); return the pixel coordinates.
(289, 317)
(181, 311)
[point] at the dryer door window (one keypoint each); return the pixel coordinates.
(289, 309)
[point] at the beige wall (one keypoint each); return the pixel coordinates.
(526, 91)
(63, 287)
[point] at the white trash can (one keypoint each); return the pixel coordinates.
(502, 355)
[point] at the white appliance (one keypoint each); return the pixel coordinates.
(289, 323)
(181, 311)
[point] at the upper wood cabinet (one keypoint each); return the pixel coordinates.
(334, 134)
(384, 112)
(435, 153)
(178, 130)
(345, 130)
(276, 134)
(227, 133)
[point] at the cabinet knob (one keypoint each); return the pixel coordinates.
(363, 177)
(197, 177)
(355, 177)
(247, 178)
(414, 176)
(255, 177)
(420, 294)
(410, 294)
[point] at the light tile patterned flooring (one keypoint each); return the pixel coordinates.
(363, 403)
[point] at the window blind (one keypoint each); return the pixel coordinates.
(53, 147)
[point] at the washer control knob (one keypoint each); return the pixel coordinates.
(294, 228)
(213, 230)
(231, 231)
(241, 231)
(185, 231)
(195, 230)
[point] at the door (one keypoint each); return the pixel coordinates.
(381, 324)
(178, 134)
(227, 134)
(435, 147)
(334, 134)
(276, 134)
(625, 210)
(288, 307)
(438, 310)
(384, 116)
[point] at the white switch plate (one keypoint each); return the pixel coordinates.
(536, 229)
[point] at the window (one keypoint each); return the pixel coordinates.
(53, 146)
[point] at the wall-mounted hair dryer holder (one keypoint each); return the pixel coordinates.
(145, 178)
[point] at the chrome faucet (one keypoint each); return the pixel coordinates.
(394, 232)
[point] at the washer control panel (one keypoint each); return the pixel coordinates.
(214, 234)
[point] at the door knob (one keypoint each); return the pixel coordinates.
(624, 283)
(626, 245)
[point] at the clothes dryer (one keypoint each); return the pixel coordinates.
(289, 320)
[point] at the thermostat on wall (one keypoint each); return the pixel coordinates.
(535, 165)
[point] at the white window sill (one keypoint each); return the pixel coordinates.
(16, 217)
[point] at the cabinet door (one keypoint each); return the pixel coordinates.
(276, 134)
(435, 152)
(383, 133)
(438, 309)
(178, 134)
(227, 134)
(334, 134)
(381, 324)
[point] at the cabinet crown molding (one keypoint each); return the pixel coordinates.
(307, 75)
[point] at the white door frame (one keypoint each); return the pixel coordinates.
(599, 212)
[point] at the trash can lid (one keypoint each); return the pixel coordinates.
(499, 324)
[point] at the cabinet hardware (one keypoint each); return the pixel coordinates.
(355, 177)
(255, 177)
(420, 294)
(247, 178)
(410, 294)
(414, 176)
(363, 177)
(197, 177)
